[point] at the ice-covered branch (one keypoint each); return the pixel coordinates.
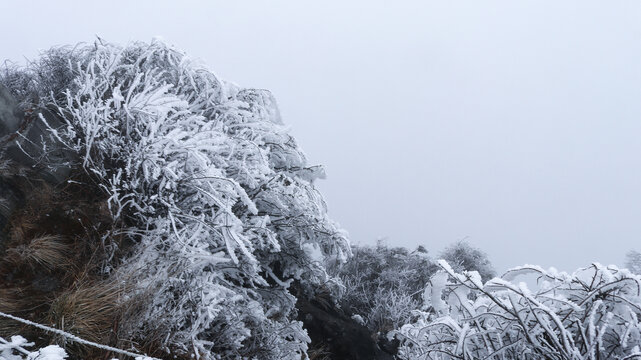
(592, 313)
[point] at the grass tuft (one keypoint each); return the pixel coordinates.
(90, 311)
(49, 252)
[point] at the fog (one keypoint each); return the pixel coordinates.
(512, 125)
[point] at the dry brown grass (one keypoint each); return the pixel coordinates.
(19, 230)
(90, 311)
(56, 242)
(49, 252)
(16, 301)
(319, 352)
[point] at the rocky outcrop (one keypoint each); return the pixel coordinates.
(338, 336)
(10, 122)
(10, 114)
(25, 140)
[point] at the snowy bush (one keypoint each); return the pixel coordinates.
(219, 197)
(383, 284)
(633, 262)
(464, 257)
(590, 314)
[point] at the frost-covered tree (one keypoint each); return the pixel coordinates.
(464, 257)
(590, 314)
(633, 261)
(218, 198)
(383, 284)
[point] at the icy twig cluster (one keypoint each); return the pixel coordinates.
(15, 349)
(590, 314)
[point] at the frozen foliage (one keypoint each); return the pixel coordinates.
(633, 261)
(222, 200)
(383, 284)
(464, 257)
(590, 314)
(15, 349)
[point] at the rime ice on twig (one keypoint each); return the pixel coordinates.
(590, 314)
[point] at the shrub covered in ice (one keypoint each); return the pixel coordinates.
(219, 196)
(633, 262)
(590, 314)
(464, 257)
(383, 284)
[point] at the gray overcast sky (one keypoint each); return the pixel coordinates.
(514, 124)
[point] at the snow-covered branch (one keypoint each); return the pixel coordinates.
(590, 314)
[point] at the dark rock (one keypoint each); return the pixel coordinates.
(342, 337)
(10, 114)
(45, 283)
(10, 120)
(387, 345)
(25, 136)
(10, 199)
